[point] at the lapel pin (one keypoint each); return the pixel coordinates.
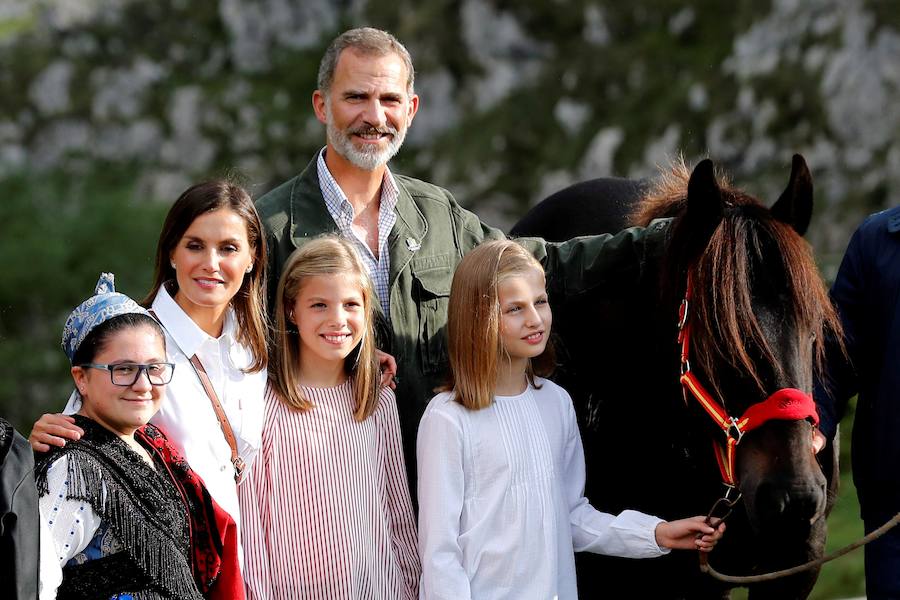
(413, 244)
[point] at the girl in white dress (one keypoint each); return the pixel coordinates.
(326, 506)
(500, 460)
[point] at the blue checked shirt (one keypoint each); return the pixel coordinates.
(341, 211)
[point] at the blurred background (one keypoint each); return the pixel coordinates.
(110, 108)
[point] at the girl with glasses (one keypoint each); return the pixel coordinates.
(123, 516)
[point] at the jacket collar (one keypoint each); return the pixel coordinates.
(310, 217)
(893, 224)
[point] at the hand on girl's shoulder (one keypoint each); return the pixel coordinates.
(53, 430)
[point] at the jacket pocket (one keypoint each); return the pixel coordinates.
(433, 276)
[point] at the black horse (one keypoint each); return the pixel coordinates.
(759, 312)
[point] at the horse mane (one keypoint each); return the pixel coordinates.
(723, 278)
(667, 194)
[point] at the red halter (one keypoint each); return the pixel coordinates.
(787, 404)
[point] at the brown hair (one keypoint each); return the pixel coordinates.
(249, 305)
(723, 271)
(473, 322)
(368, 42)
(326, 255)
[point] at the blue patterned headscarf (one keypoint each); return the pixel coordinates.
(105, 304)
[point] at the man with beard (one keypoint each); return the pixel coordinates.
(410, 234)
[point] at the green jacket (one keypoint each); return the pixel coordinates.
(430, 236)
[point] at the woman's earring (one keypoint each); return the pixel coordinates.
(172, 262)
(250, 267)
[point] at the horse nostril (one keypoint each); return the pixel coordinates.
(771, 501)
(788, 505)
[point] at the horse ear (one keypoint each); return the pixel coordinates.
(794, 206)
(705, 206)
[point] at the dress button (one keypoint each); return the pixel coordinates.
(222, 468)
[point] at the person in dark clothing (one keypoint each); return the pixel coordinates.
(866, 292)
(411, 234)
(19, 547)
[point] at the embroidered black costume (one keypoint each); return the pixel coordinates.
(142, 507)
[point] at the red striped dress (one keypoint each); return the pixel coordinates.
(325, 508)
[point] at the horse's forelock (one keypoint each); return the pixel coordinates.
(723, 297)
(729, 329)
(723, 277)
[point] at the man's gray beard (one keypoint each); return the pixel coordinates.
(369, 159)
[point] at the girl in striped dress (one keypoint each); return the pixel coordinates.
(501, 466)
(326, 506)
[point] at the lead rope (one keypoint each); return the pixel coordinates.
(705, 567)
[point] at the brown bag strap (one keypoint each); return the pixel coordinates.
(236, 460)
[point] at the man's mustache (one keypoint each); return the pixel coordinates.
(370, 130)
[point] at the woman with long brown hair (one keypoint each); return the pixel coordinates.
(208, 295)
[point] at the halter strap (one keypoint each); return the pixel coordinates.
(786, 404)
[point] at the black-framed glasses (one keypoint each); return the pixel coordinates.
(126, 374)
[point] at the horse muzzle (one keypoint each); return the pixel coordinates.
(784, 489)
(794, 506)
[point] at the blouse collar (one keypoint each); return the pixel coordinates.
(184, 331)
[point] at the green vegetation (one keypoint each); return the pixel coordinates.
(59, 233)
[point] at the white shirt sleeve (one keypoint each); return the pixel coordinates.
(631, 534)
(439, 452)
(67, 527)
(50, 570)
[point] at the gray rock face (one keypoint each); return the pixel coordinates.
(49, 92)
(258, 27)
(120, 93)
(517, 98)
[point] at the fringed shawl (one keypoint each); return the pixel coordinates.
(213, 531)
(143, 506)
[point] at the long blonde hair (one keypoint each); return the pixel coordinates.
(473, 322)
(326, 255)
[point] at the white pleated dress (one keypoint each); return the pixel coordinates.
(501, 500)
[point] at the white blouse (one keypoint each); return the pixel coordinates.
(66, 528)
(187, 416)
(501, 500)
